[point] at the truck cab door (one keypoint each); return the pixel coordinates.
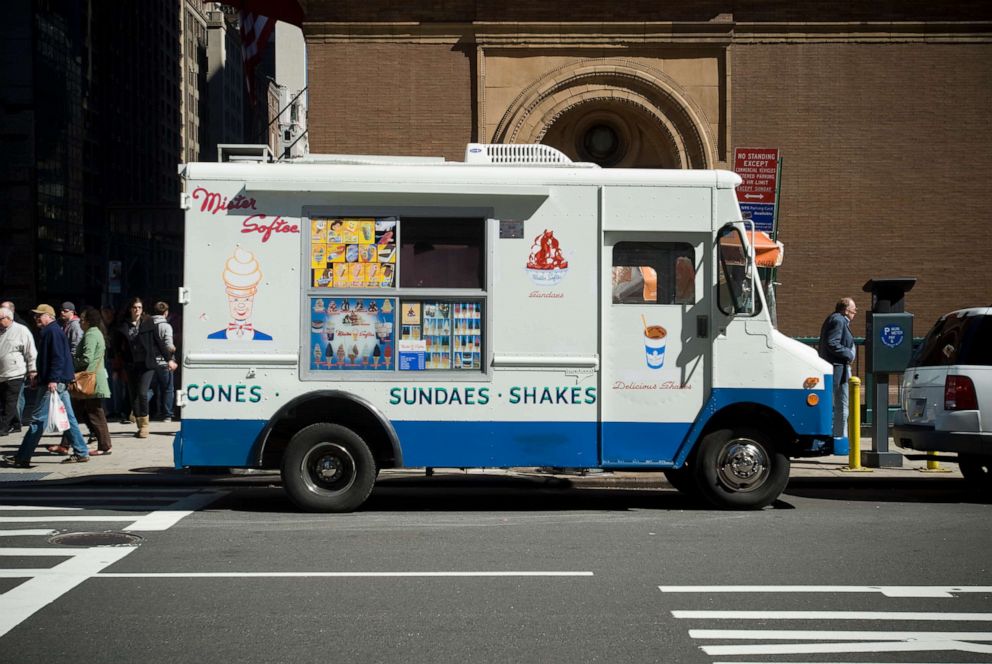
(655, 344)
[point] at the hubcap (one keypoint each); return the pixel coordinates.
(328, 468)
(742, 465)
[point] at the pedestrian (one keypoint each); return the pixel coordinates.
(17, 364)
(837, 347)
(139, 344)
(90, 357)
(118, 406)
(70, 325)
(164, 387)
(55, 372)
(22, 397)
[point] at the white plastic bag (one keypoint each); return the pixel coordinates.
(58, 419)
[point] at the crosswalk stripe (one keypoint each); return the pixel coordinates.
(888, 591)
(26, 533)
(877, 646)
(839, 635)
(830, 615)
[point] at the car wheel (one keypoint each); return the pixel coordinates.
(740, 469)
(328, 468)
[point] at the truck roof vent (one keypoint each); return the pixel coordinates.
(508, 153)
(234, 152)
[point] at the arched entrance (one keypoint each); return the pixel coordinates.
(611, 112)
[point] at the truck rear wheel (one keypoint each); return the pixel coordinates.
(682, 479)
(740, 469)
(977, 471)
(328, 468)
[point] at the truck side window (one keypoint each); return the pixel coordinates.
(442, 253)
(654, 273)
(734, 292)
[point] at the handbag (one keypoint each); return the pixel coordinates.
(84, 385)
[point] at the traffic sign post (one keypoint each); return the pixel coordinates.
(758, 192)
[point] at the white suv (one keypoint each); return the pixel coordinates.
(947, 394)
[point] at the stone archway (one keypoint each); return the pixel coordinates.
(613, 112)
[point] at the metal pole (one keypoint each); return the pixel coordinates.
(854, 428)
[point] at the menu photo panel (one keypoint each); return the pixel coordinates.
(353, 252)
(351, 334)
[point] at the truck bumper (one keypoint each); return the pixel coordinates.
(927, 439)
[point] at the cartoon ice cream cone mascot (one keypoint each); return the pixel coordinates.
(241, 278)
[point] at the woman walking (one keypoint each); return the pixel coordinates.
(139, 343)
(90, 356)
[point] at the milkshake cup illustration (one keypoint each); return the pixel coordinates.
(655, 337)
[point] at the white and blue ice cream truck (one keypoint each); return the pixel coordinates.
(344, 315)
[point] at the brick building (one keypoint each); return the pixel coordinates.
(881, 112)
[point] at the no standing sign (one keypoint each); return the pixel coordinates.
(758, 168)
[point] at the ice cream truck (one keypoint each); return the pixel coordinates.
(347, 314)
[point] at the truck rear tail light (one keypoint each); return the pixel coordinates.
(959, 394)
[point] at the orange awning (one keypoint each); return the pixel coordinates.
(767, 252)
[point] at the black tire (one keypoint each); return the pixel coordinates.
(328, 468)
(977, 471)
(740, 469)
(683, 479)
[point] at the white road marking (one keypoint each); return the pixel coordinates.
(18, 508)
(165, 519)
(888, 591)
(239, 575)
(879, 646)
(831, 615)
(19, 603)
(26, 533)
(62, 519)
(840, 635)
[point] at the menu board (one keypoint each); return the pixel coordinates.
(350, 252)
(351, 333)
(440, 335)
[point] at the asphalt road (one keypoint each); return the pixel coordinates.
(499, 570)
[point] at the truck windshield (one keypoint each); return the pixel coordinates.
(736, 274)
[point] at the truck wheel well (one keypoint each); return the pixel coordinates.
(334, 410)
(757, 416)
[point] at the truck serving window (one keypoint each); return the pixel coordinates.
(357, 325)
(442, 253)
(654, 273)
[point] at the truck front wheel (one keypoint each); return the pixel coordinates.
(328, 468)
(740, 469)
(977, 471)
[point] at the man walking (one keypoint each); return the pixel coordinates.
(70, 325)
(164, 388)
(17, 362)
(21, 399)
(837, 347)
(55, 371)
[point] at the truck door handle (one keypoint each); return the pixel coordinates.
(702, 327)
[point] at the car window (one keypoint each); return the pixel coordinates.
(957, 340)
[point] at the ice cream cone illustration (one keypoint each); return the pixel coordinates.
(241, 276)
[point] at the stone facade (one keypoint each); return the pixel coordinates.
(881, 115)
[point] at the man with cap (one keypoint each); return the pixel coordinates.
(55, 372)
(70, 325)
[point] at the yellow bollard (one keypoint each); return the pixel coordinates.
(854, 428)
(933, 465)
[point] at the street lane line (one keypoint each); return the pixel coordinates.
(880, 646)
(18, 508)
(52, 519)
(172, 514)
(240, 575)
(37, 551)
(888, 591)
(26, 533)
(830, 615)
(840, 635)
(19, 603)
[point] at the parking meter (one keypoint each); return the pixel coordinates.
(888, 345)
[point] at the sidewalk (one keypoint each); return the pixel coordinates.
(151, 458)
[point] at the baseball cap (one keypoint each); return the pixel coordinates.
(44, 309)
(68, 306)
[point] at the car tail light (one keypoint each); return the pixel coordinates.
(959, 394)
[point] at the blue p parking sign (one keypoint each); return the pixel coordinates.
(892, 335)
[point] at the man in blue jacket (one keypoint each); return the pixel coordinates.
(837, 347)
(55, 372)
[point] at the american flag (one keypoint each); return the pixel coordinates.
(255, 33)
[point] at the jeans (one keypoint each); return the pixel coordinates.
(139, 381)
(842, 373)
(37, 427)
(165, 393)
